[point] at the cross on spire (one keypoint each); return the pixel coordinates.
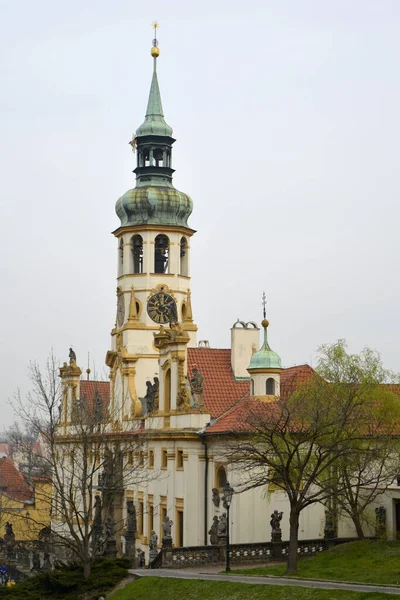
(264, 303)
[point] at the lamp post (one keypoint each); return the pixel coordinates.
(227, 499)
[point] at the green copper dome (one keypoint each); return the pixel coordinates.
(154, 205)
(265, 358)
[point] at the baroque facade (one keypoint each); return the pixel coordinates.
(179, 396)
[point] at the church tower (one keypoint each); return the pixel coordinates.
(153, 246)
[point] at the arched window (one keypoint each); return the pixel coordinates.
(184, 263)
(121, 257)
(221, 478)
(270, 387)
(158, 157)
(167, 391)
(137, 253)
(161, 254)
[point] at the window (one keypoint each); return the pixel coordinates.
(150, 518)
(179, 528)
(161, 254)
(151, 459)
(130, 458)
(252, 387)
(163, 513)
(179, 459)
(270, 387)
(141, 458)
(167, 391)
(158, 157)
(137, 253)
(164, 459)
(221, 478)
(141, 517)
(184, 257)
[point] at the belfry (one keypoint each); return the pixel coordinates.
(153, 279)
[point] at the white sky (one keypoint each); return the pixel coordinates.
(286, 115)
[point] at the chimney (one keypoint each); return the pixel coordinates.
(245, 340)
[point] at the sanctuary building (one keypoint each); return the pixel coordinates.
(179, 395)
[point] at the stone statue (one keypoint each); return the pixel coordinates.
(155, 391)
(380, 521)
(276, 519)
(131, 517)
(108, 469)
(141, 558)
(197, 382)
(213, 533)
(109, 527)
(9, 535)
(215, 497)
(167, 526)
(97, 407)
(153, 542)
(97, 510)
(197, 386)
(222, 525)
(72, 356)
(97, 527)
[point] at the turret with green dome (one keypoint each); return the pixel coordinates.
(265, 366)
(265, 358)
(154, 200)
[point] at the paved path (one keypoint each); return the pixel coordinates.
(307, 583)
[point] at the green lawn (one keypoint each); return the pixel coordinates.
(368, 562)
(154, 588)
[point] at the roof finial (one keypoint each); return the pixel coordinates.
(155, 51)
(264, 303)
(264, 322)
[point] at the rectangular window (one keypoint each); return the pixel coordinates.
(141, 458)
(163, 512)
(150, 520)
(141, 518)
(130, 458)
(151, 459)
(164, 459)
(179, 459)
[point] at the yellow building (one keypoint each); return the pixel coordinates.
(25, 507)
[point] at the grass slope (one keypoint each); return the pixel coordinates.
(154, 588)
(367, 562)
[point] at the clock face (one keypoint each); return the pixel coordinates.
(161, 308)
(120, 310)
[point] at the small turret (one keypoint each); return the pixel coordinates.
(265, 367)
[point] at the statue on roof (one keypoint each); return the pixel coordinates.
(72, 356)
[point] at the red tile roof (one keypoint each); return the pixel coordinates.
(90, 388)
(12, 482)
(221, 389)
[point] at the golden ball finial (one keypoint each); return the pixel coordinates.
(264, 323)
(155, 52)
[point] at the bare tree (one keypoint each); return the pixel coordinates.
(298, 441)
(87, 454)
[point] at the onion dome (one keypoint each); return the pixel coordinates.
(265, 358)
(154, 205)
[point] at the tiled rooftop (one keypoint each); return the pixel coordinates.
(12, 482)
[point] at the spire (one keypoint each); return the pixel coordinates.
(154, 123)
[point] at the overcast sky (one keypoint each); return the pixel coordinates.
(286, 115)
